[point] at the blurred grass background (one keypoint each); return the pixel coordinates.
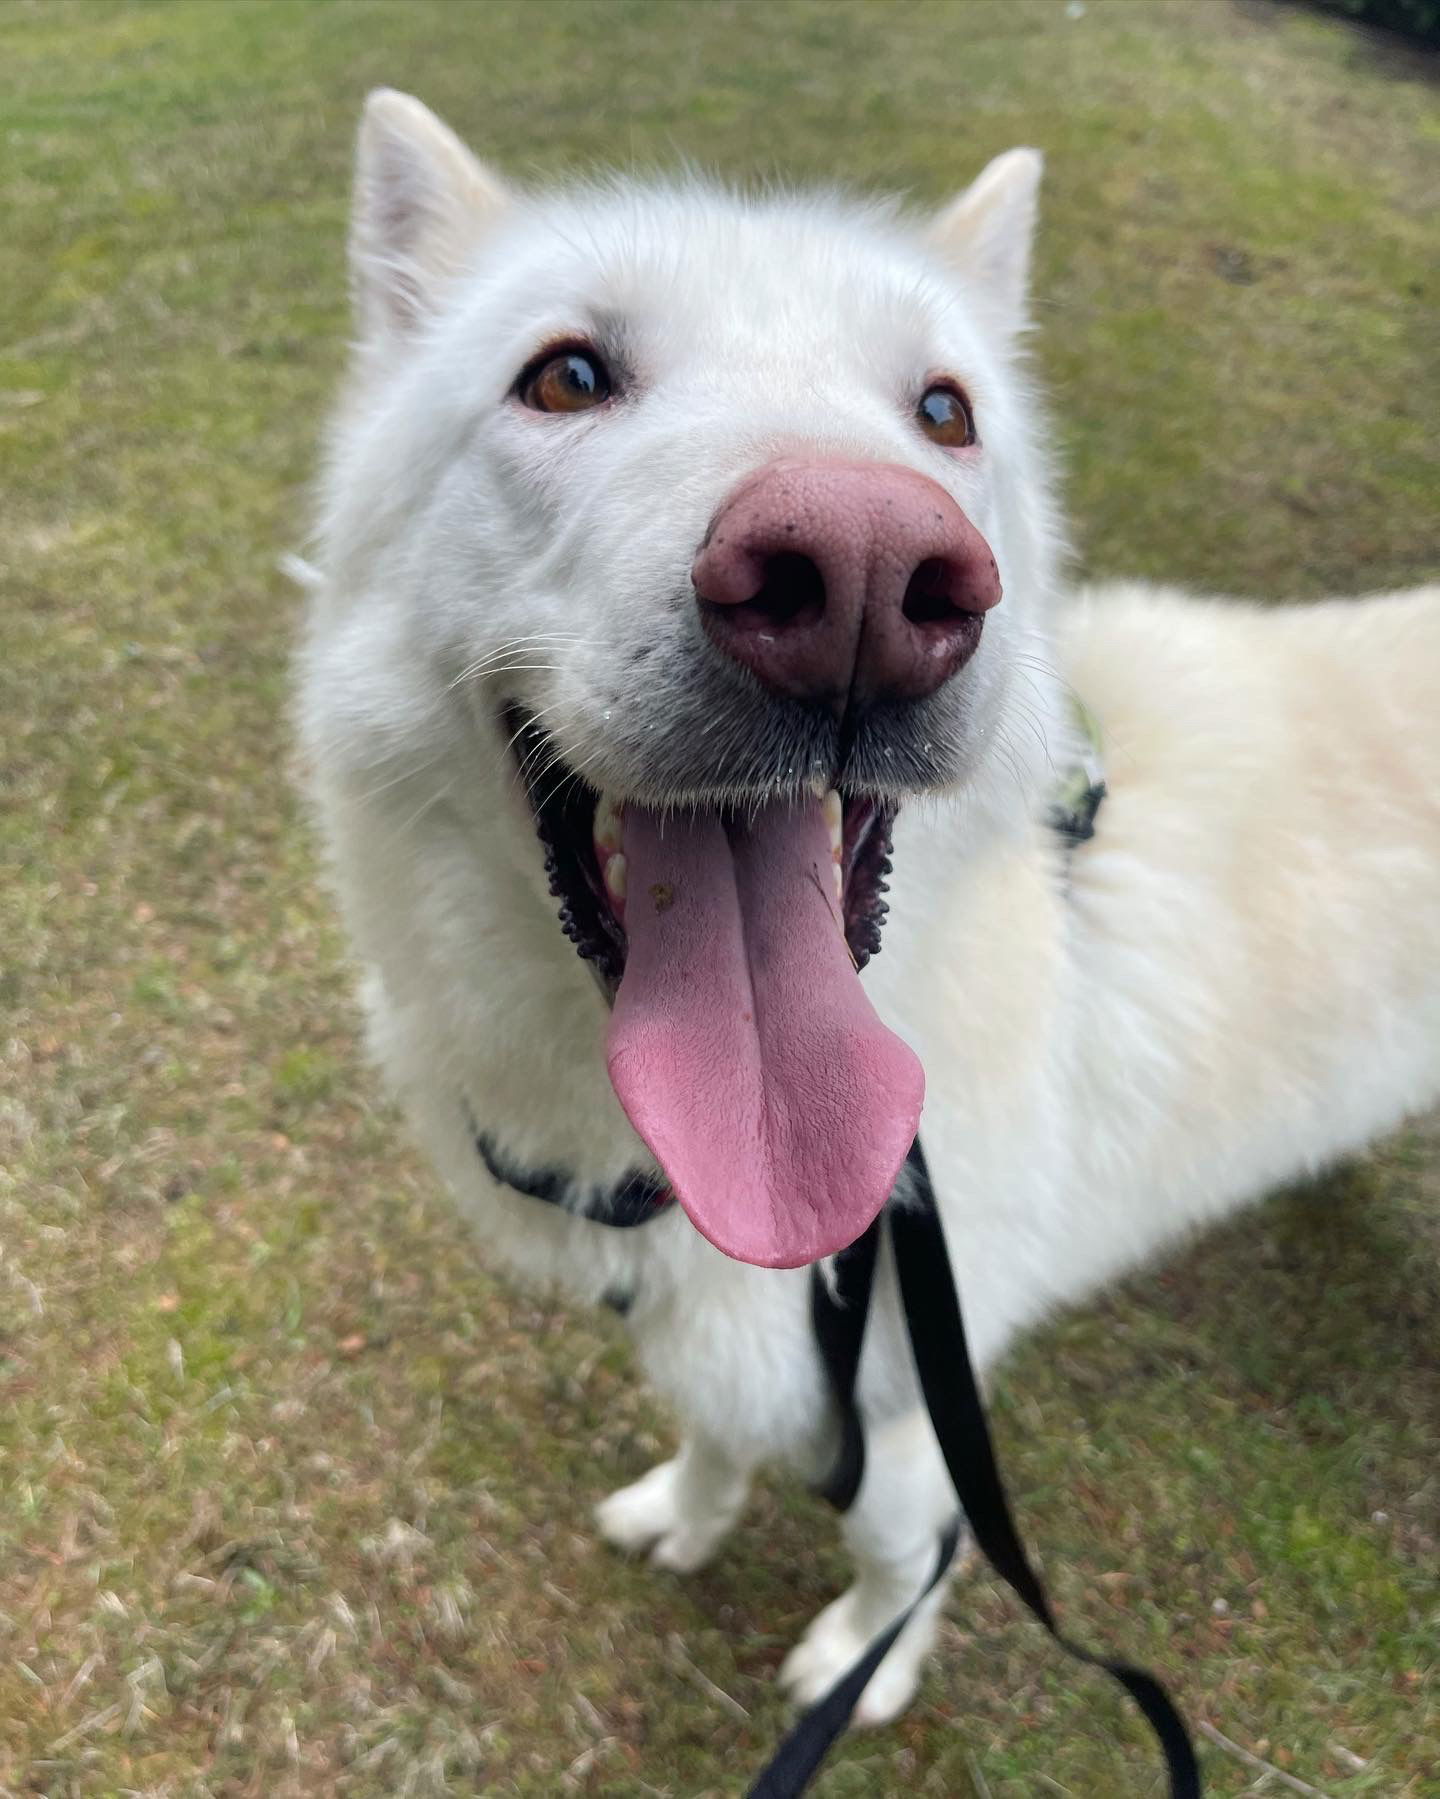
(293, 1499)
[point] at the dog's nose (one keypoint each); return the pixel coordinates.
(845, 583)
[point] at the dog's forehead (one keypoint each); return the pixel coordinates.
(703, 271)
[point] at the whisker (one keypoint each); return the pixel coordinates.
(409, 773)
(497, 657)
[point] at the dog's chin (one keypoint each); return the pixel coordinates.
(578, 827)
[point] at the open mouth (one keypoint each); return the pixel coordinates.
(740, 1043)
(582, 833)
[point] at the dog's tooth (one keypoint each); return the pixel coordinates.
(615, 873)
(607, 824)
(834, 809)
(839, 873)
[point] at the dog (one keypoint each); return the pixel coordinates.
(689, 590)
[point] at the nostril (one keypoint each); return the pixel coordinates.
(930, 594)
(791, 593)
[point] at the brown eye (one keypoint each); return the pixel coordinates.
(945, 417)
(572, 381)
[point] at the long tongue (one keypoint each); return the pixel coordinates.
(741, 1043)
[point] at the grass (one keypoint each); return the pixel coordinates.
(293, 1499)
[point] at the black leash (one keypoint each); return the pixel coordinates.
(792, 1767)
(839, 1310)
(947, 1380)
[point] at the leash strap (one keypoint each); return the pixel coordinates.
(952, 1397)
(838, 1310)
(792, 1767)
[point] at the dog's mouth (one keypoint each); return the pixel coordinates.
(741, 1044)
(582, 834)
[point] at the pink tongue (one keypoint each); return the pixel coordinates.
(742, 1045)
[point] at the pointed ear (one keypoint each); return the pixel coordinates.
(421, 204)
(986, 232)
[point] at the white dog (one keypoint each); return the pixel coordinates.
(662, 538)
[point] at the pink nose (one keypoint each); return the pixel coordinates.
(845, 582)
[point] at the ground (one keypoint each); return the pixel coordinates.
(293, 1498)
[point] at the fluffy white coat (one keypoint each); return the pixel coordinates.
(1237, 981)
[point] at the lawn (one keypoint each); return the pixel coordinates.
(293, 1497)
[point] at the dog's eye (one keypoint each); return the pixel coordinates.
(945, 417)
(570, 381)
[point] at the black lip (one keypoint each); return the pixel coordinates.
(563, 807)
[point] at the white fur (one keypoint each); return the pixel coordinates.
(1237, 981)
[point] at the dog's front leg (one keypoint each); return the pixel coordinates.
(893, 1530)
(681, 1509)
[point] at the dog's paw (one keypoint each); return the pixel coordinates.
(640, 1515)
(647, 1515)
(834, 1642)
(686, 1551)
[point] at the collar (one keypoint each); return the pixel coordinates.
(1081, 790)
(637, 1198)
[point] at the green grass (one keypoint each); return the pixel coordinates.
(293, 1499)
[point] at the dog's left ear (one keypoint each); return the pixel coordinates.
(422, 202)
(987, 231)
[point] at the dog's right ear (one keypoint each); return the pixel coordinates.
(422, 201)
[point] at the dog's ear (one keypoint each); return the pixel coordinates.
(986, 232)
(421, 203)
